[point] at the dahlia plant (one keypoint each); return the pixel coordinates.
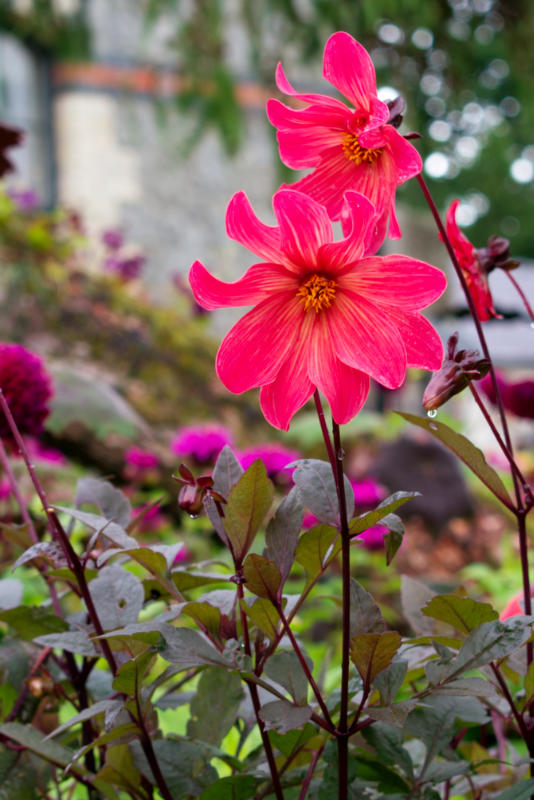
(133, 632)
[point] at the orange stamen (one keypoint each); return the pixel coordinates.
(355, 152)
(317, 293)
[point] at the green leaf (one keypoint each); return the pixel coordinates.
(72, 641)
(11, 590)
(394, 714)
(130, 674)
(102, 527)
(414, 595)
(101, 707)
(184, 580)
(282, 534)
(187, 649)
(365, 615)
(317, 548)
(262, 577)
(284, 668)
(388, 744)
(460, 612)
(111, 502)
(206, 615)
(234, 787)
(31, 621)
(390, 681)
(215, 705)
(17, 777)
(521, 791)
(264, 616)
(118, 597)
(466, 452)
(386, 507)
(373, 652)
(392, 541)
(317, 488)
(50, 551)
(150, 559)
(282, 716)
(183, 764)
(489, 642)
(227, 471)
(248, 502)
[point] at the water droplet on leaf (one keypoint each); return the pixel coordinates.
(433, 413)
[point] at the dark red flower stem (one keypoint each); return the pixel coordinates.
(253, 689)
(304, 665)
(522, 295)
(326, 435)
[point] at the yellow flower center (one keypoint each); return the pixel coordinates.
(355, 152)
(317, 293)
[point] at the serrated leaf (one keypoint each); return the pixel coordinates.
(187, 649)
(104, 527)
(365, 615)
(282, 534)
(118, 597)
(214, 706)
(373, 652)
(72, 641)
(414, 595)
(317, 488)
(233, 787)
(284, 668)
(109, 500)
(264, 616)
(282, 716)
(50, 551)
(31, 621)
(490, 641)
(466, 452)
(227, 471)
(383, 509)
(262, 577)
(317, 548)
(101, 707)
(462, 613)
(249, 501)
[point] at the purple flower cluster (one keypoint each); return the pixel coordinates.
(202, 443)
(27, 388)
(126, 265)
(26, 200)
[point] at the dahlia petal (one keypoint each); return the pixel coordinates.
(304, 226)
(303, 148)
(348, 66)
(358, 215)
(244, 227)
(345, 388)
(365, 340)
(258, 283)
(323, 115)
(396, 280)
(465, 251)
(282, 398)
(424, 348)
(407, 160)
(253, 351)
(323, 99)
(329, 181)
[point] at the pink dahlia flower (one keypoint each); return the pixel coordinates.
(474, 273)
(327, 315)
(203, 443)
(349, 147)
(27, 388)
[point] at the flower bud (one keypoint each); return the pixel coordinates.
(458, 369)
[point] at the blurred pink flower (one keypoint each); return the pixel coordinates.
(112, 239)
(373, 538)
(46, 454)
(126, 267)
(182, 555)
(202, 442)
(473, 270)
(27, 388)
(327, 315)
(26, 200)
(349, 147)
(275, 457)
(515, 606)
(151, 518)
(5, 489)
(141, 459)
(517, 396)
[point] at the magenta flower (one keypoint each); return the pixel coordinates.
(128, 268)
(327, 315)
(203, 443)
(112, 239)
(349, 147)
(27, 388)
(473, 270)
(373, 538)
(48, 455)
(517, 396)
(275, 457)
(143, 460)
(26, 200)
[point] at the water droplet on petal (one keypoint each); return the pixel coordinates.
(433, 413)
(193, 516)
